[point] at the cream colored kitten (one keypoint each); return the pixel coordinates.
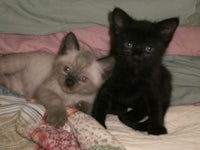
(72, 77)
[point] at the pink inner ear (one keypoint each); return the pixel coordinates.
(170, 28)
(167, 33)
(119, 22)
(167, 28)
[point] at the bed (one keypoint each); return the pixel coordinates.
(40, 25)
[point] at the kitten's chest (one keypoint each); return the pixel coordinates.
(128, 90)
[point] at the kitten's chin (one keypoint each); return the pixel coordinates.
(67, 90)
(134, 63)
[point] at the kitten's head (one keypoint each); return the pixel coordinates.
(140, 43)
(77, 70)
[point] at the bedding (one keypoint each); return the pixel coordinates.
(49, 16)
(22, 126)
(182, 120)
(40, 25)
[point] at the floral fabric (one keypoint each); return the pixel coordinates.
(22, 126)
(81, 132)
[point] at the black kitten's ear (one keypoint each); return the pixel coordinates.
(107, 64)
(119, 20)
(166, 28)
(69, 42)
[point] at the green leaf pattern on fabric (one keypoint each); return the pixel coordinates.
(90, 134)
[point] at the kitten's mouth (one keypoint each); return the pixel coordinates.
(135, 62)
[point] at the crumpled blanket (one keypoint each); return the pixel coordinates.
(22, 126)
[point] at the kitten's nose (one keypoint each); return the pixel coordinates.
(70, 81)
(136, 56)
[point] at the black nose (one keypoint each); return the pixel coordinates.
(69, 82)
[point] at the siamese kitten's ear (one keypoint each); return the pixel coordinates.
(69, 43)
(107, 64)
(120, 20)
(166, 28)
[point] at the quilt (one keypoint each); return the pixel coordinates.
(22, 126)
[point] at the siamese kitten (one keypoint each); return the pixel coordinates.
(140, 85)
(72, 78)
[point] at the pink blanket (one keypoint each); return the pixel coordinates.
(96, 38)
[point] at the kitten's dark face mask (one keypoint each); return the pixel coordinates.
(79, 71)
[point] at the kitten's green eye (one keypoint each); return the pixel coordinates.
(149, 49)
(128, 45)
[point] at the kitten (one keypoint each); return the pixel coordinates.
(72, 77)
(140, 86)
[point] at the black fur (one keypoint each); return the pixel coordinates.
(140, 86)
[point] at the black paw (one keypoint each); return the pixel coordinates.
(99, 117)
(157, 130)
(56, 117)
(141, 126)
(102, 123)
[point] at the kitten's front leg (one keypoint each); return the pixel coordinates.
(156, 118)
(56, 114)
(55, 108)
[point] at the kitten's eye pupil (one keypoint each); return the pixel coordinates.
(149, 49)
(66, 69)
(128, 45)
(83, 78)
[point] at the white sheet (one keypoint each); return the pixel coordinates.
(182, 122)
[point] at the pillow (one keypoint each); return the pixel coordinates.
(44, 17)
(185, 72)
(194, 19)
(185, 41)
(96, 38)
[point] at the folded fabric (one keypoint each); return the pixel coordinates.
(48, 16)
(49, 138)
(96, 39)
(22, 124)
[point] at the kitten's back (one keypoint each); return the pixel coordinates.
(24, 72)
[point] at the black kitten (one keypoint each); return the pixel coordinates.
(140, 86)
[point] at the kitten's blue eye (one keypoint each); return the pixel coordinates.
(149, 49)
(66, 69)
(128, 45)
(83, 78)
